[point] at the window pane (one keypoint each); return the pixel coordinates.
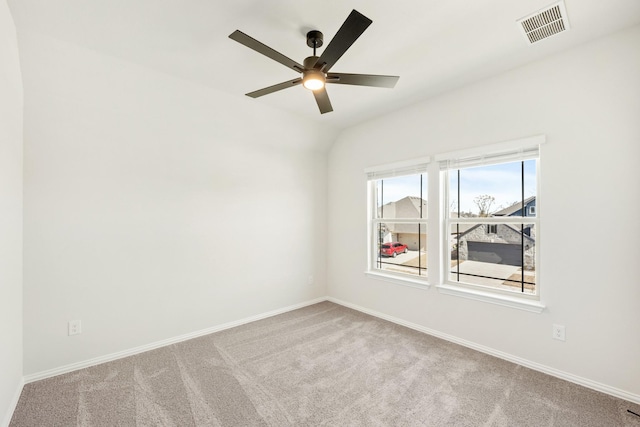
(402, 248)
(530, 187)
(493, 190)
(496, 255)
(402, 197)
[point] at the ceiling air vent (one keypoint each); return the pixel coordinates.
(544, 23)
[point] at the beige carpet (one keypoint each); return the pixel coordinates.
(320, 365)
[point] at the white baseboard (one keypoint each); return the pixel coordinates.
(13, 404)
(141, 349)
(511, 358)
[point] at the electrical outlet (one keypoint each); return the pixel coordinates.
(558, 332)
(75, 327)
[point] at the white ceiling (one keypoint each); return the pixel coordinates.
(434, 46)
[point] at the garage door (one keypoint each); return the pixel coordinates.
(495, 253)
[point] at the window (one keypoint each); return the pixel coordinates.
(490, 232)
(398, 221)
(483, 230)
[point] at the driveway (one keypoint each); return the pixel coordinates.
(494, 274)
(396, 264)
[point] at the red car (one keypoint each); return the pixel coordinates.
(393, 249)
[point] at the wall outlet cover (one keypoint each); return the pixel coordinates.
(75, 327)
(558, 332)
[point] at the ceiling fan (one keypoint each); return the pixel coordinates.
(315, 70)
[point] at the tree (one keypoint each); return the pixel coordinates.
(484, 202)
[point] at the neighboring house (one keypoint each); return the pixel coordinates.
(412, 235)
(516, 208)
(501, 243)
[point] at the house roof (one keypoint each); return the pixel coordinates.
(407, 207)
(514, 208)
(416, 201)
(515, 229)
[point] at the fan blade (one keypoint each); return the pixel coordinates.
(362, 79)
(351, 29)
(254, 44)
(322, 99)
(274, 88)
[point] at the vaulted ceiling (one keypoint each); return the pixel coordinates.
(434, 46)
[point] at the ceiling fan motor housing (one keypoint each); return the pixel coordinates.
(309, 62)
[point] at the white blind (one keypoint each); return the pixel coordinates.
(490, 159)
(502, 152)
(409, 167)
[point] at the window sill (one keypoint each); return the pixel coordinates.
(504, 300)
(405, 281)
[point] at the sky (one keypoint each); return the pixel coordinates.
(502, 181)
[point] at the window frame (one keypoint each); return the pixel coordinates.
(438, 227)
(374, 174)
(511, 151)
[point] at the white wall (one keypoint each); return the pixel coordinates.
(587, 101)
(153, 209)
(10, 216)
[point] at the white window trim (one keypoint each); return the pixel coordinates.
(398, 279)
(477, 155)
(534, 306)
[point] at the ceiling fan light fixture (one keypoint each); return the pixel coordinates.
(313, 79)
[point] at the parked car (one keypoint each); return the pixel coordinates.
(393, 249)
